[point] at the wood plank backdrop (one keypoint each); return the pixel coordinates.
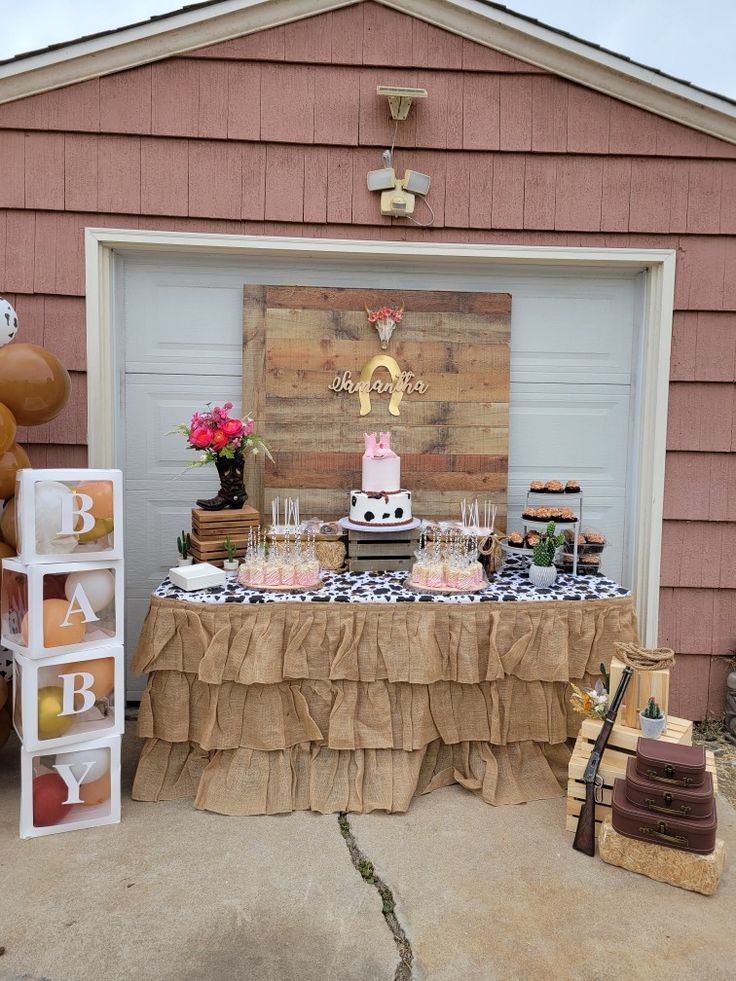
(452, 439)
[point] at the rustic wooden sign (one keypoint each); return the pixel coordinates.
(451, 431)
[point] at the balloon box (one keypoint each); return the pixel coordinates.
(68, 699)
(69, 515)
(57, 608)
(71, 788)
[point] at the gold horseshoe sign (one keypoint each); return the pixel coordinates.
(401, 382)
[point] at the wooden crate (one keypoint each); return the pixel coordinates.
(382, 552)
(621, 747)
(211, 528)
(642, 685)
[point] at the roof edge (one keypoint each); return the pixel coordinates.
(481, 22)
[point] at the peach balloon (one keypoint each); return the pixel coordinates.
(11, 460)
(101, 493)
(55, 634)
(102, 670)
(96, 792)
(8, 428)
(34, 383)
(7, 524)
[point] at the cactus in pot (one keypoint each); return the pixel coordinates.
(230, 565)
(184, 545)
(653, 721)
(542, 571)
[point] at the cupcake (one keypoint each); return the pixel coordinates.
(572, 487)
(536, 485)
(595, 538)
(532, 538)
(516, 540)
(553, 487)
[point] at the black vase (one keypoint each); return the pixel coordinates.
(232, 490)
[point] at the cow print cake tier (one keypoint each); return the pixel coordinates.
(381, 502)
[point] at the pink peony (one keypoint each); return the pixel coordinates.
(201, 437)
(219, 440)
(248, 427)
(232, 427)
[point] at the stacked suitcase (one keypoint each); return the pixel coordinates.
(667, 798)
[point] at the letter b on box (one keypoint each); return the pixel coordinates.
(69, 515)
(69, 699)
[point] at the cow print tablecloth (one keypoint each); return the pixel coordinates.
(511, 585)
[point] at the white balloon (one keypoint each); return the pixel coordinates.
(98, 586)
(8, 322)
(99, 758)
(49, 494)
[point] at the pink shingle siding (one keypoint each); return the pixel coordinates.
(188, 143)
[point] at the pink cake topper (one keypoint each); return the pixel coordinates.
(378, 446)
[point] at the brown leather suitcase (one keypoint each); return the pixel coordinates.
(670, 764)
(687, 834)
(680, 802)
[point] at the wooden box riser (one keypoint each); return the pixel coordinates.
(625, 737)
(642, 685)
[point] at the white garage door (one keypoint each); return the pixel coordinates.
(575, 353)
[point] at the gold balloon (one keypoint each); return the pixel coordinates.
(34, 383)
(11, 460)
(102, 670)
(51, 724)
(8, 428)
(101, 527)
(7, 524)
(95, 792)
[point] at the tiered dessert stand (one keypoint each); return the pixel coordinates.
(539, 499)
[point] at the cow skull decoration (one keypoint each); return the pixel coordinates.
(385, 321)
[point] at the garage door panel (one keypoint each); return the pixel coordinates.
(569, 431)
(177, 326)
(585, 337)
(154, 405)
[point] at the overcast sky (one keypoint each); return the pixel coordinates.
(691, 39)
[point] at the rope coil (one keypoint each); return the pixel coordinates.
(645, 658)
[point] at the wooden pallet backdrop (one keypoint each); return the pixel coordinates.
(453, 439)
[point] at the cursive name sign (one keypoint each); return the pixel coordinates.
(401, 382)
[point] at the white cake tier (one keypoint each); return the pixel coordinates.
(382, 475)
(380, 510)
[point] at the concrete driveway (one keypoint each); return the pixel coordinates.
(469, 892)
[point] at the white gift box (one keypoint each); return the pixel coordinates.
(71, 788)
(71, 698)
(201, 576)
(57, 608)
(69, 515)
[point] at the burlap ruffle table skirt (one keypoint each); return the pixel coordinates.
(269, 708)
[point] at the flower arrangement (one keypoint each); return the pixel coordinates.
(592, 702)
(218, 435)
(386, 313)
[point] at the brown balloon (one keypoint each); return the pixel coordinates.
(35, 385)
(12, 460)
(6, 551)
(8, 427)
(7, 524)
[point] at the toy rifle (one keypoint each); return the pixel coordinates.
(585, 833)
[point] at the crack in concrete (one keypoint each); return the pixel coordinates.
(368, 873)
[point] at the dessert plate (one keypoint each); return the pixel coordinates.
(446, 590)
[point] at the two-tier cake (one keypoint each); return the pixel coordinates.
(381, 501)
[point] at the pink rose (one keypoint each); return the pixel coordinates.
(219, 440)
(233, 427)
(200, 437)
(248, 427)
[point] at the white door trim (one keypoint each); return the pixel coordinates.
(659, 265)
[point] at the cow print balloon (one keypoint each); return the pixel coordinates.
(8, 323)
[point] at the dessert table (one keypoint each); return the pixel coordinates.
(361, 694)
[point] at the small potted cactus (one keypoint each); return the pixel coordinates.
(230, 565)
(542, 571)
(652, 720)
(184, 544)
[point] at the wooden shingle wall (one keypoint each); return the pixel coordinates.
(247, 136)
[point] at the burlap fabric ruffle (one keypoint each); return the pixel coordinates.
(271, 708)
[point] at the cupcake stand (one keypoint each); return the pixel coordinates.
(550, 498)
